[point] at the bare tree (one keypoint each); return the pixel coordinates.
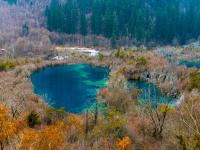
(157, 112)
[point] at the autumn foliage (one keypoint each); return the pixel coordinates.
(124, 144)
(51, 137)
(7, 126)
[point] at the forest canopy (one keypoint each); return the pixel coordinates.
(158, 21)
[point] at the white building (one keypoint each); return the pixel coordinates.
(90, 52)
(63, 52)
(59, 58)
(3, 52)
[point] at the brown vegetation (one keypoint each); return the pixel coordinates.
(28, 123)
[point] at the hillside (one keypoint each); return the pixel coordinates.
(22, 28)
(99, 23)
(139, 21)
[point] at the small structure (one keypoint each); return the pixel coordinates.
(67, 50)
(59, 58)
(90, 52)
(3, 52)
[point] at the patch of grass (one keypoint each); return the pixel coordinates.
(141, 61)
(7, 64)
(120, 53)
(194, 81)
(100, 57)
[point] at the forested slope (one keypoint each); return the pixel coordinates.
(22, 27)
(160, 21)
(101, 23)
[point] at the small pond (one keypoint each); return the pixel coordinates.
(190, 64)
(73, 87)
(170, 56)
(149, 91)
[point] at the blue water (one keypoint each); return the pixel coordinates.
(170, 56)
(155, 95)
(190, 64)
(73, 87)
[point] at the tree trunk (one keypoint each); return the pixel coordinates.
(1, 146)
(86, 124)
(96, 113)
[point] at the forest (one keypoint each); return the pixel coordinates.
(166, 22)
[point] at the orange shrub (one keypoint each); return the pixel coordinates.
(28, 139)
(124, 144)
(7, 125)
(75, 123)
(51, 137)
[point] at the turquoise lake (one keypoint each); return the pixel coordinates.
(73, 87)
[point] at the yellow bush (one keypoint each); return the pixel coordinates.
(124, 144)
(77, 122)
(7, 64)
(7, 125)
(50, 137)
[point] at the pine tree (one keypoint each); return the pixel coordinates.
(53, 15)
(83, 25)
(108, 24)
(25, 29)
(12, 1)
(96, 18)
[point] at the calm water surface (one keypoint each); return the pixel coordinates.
(190, 64)
(73, 87)
(149, 92)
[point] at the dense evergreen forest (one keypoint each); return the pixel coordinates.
(12, 1)
(160, 21)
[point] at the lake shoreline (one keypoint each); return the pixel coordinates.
(114, 64)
